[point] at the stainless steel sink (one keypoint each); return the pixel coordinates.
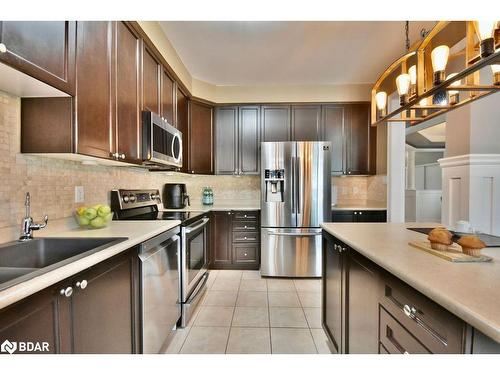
(20, 261)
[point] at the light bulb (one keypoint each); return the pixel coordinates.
(423, 102)
(439, 57)
(413, 74)
(403, 83)
(453, 94)
(381, 99)
(496, 74)
(486, 29)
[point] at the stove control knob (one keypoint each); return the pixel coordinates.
(125, 198)
(153, 196)
(132, 198)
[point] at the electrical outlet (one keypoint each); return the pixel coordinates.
(79, 194)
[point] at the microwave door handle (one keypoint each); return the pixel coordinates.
(192, 229)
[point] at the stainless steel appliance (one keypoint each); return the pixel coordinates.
(159, 274)
(175, 196)
(161, 143)
(193, 258)
(295, 200)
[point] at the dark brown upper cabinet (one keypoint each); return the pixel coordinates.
(275, 123)
(182, 122)
(347, 126)
(150, 81)
(226, 140)
(167, 97)
(306, 122)
(360, 140)
(44, 50)
(333, 131)
(201, 144)
(249, 140)
(94, 109)
(237, 140)
(128, 96)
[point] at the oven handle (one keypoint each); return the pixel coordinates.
(294, 234)
(202, 222)
(198, 289)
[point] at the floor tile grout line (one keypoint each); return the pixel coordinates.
(232, 316)
(269, 319)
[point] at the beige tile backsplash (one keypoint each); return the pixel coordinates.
(51, 182)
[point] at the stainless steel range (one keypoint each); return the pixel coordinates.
(169, 280)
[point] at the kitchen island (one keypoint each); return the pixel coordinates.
(465, 295)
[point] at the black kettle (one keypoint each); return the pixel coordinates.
(175, 196)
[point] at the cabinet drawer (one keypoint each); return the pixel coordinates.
(246, 215)
(432, 325)
(239, 226)
(246, 253)
(246, 237)
(395, 338)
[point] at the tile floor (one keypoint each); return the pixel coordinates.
(244, 313)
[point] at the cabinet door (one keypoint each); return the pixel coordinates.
(127, 66)
(36, 319)
(333, 289)
(95, 125)
(200, 139)
(104, 312)
(362, 306)
(343, 216)
(360, 140)
(306, 122)
(275, 124)
(182, 122)
(226, 140)
(150, 81)
(42, 49)
(249, 140)
(220, 233)
(167, 97)
(333, 131)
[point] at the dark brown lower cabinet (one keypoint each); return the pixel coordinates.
(367, 310)
(235, 240)
(98, 313)
(363, 216)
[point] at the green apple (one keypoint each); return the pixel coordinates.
(108, 217)
(83, 221)
(97, 206)
(90, 213)
(103, 211)
(98, 222)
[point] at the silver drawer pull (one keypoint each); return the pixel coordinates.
(245, 254)
(81, 284)
(410, 312)
(66, 292)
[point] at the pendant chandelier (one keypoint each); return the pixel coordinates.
(440, 73)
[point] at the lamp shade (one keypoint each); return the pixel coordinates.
(381, 99)
(403, 83)
(423, 102)
(413, 74)
(439, 57)
(485, 29)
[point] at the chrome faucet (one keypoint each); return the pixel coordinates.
(28, 226)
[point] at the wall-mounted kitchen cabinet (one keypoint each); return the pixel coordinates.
(151, 68)
(167, 97)
(182, 123)
(275, 123)
(306, 122)
(44, 50)
(200, 138)
(237, 140)
(106, 106)
(95, 311)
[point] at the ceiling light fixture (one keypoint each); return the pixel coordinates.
(403, 85)
(381, 100)
(439, 59)
(486, 30)
(453, 94)
(413, 80)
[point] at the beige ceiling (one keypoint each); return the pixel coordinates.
(288, 53)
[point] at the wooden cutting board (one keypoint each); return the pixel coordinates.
(453, 254)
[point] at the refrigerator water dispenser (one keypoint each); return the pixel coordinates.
(275, 183)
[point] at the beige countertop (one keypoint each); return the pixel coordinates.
(471, 291)
(359, 204)
(135, 231)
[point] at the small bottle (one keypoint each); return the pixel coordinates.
(210, 195)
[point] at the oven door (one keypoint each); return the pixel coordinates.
(194, 260)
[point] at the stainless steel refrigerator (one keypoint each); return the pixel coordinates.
(295, 200)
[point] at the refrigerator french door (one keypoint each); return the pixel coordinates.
(295, 200)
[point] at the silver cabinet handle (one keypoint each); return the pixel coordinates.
(3, 48)
(245, 254)
(245, 227)
(405, 352)
(81, 284)
(122, 156)
(409, 311)
(66, 292)
(360, 212)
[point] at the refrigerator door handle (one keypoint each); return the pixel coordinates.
(294, 182)
(297, 171)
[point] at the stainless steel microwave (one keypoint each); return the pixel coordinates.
(161, 142)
